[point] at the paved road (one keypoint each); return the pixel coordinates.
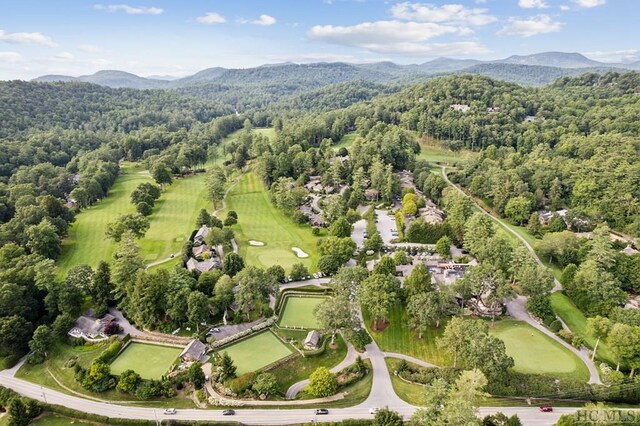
(349, 359)
(516, 307)
(385, 224)
(357, 235)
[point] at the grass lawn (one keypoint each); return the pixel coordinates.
(398, 337)
(300, 368)
(260, 220)
(355, 393)
(577, 322)
(149, 361)
(408, 392)
(256, 352)
(86, 242)
(57, 420)
(431, 150)
(298, 312)
(536, 353)
(346, 141)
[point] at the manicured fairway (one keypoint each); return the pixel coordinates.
(298, 312)
(149, 361)
(86, 242)
(259, 219)
(256, 352)
(174, 217)
(534, 352)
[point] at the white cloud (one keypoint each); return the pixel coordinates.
(89, 48)
(265, 20)
(532, 4)
(10, 57)
(317, 57)
(565, 7)
(64, 56)
(211, 18)
(26, 38)
(130, 10)
(589, 3)
(101, 62)
(381, 32)
(448, 13)
(629, 55)
(527, 27)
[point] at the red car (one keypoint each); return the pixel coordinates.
(546, 408)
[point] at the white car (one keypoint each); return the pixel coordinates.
(373, 410)
(170, 411)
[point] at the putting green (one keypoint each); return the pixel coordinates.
(534, 352)
(298, 312)
(149, 361)
(256, 352)
(260, 220)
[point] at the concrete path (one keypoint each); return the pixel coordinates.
(517, 307)
(411, 359)
(357, 235)
(349, 359)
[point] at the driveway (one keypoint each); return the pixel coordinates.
(357, 235)
(385, 224)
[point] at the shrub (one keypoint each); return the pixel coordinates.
(566, 335)
(360, 339)
(241, 384)
(577, 341)
(555, 326)
(110, 353)
(315, 231)
(322, 382)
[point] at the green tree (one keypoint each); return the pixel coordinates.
(204, 218)
(227, 368)
(419, 281)
(386, 265)
(127, 263)
(144, 208)
(322, 383)
(298, 271)
(15, 332)
(374, 242)
(276, 272)
(518, 209)
(232, 264)
(100, 288)
(335, 314)
(198, 308)
(40, 343)
(378, 294)
(161, 175)
(624, 341)
(215, 182)
(443, 247)
(598, 327)
(136, 224)
(422, 311)
(128, 382)
(196, 375)
(387, 417)
(265, 384)
(43, 239)
(342, 248)
(478, 230)
(341, 228)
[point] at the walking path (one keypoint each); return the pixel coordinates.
(411, 359)
(516, 307)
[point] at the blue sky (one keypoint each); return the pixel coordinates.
(161, 37)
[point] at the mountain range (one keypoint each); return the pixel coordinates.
(536, 69)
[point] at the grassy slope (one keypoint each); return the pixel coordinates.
(536, 353)
(346, 141)
(56, 420)
(259, 219)
(86, 242)
(398, 337)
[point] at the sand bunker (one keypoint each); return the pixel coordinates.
(299, 252)
(255, 243)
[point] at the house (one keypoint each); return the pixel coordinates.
(203, 266)
(90, 328)
(460, 107)
(201, 235)
(629, 250)
(200, 252)
(194, 351)
(545, 217)
(312, 340)
(431, 215)
(71, 203)
(493, 110)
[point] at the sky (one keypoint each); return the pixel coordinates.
(178, 38)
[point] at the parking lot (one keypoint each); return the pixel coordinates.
(386, 226)
(358, 233)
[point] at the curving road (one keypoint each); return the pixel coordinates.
(516, 307)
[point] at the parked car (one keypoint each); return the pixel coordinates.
(322, 411)
(170, 411)
(373, 410)
(228, 412)
(546, 408)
